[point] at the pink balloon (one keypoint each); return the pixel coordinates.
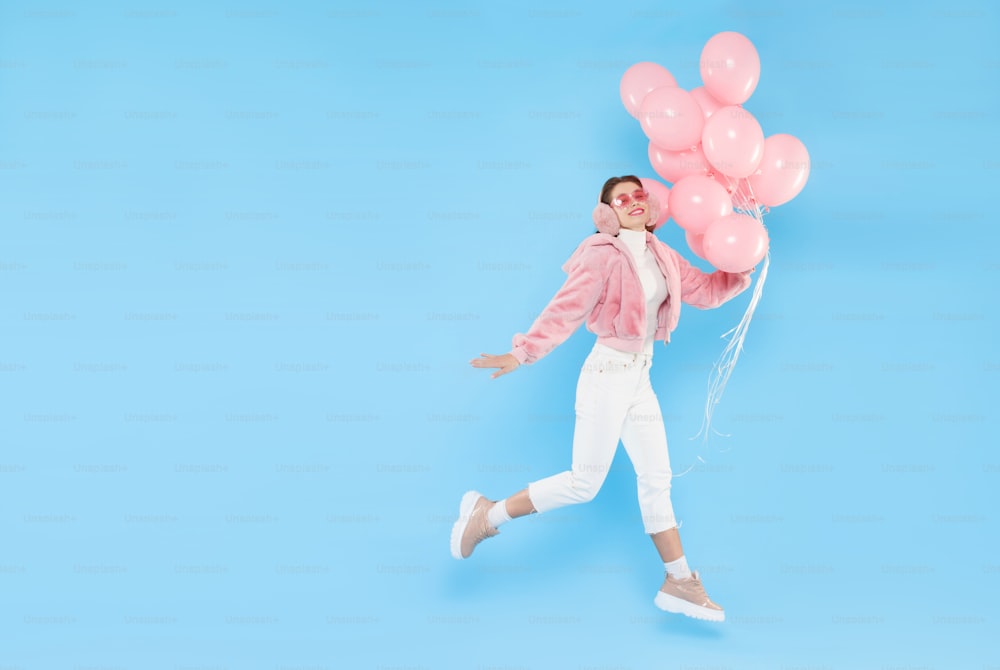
(639, 80)
(695, 243)
(675, 165)
(783, 170)
(727, 183)
(735, 243)
(730, 67)
(671, 118)
(697, 201)
(733, 141)
(708, 104)
(662, 195)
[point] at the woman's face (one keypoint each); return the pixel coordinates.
(632, 214)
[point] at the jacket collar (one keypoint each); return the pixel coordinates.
(605, 239)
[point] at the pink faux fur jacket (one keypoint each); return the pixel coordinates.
(603, 287)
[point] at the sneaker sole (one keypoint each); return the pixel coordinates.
(675, 605)
(464, 514)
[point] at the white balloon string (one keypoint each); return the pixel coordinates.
(745, 202)
(724, 366)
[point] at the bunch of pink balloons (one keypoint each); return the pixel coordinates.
(713, 151)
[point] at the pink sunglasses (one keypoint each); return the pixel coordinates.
(624, 200)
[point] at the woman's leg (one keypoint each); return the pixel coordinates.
(603, 393)
(645, 439)
(520, 504)
(668, 544)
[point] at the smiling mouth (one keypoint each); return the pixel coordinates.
(638, 211)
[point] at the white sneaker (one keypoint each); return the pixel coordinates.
(472, 526)
(688, 597)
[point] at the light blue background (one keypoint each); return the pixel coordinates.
(247, 251)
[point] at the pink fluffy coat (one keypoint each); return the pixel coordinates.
(603, 288)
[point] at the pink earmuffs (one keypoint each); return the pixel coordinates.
(607, 221)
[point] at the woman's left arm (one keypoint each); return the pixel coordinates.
(706, 290)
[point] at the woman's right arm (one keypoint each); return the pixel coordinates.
(566, 311)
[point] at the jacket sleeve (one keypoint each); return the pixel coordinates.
(706, 290)
(566, 311)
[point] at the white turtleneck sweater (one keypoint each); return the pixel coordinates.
(654, 286)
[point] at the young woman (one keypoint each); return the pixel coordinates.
(628, 286)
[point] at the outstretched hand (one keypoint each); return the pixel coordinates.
(506, 363)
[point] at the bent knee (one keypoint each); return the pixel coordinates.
(585, 489)
(586, 494)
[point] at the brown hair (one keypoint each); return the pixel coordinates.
(610, 184)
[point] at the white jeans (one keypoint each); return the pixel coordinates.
(614, 400)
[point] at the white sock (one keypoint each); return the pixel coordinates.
(679, 568)
(498, 514)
